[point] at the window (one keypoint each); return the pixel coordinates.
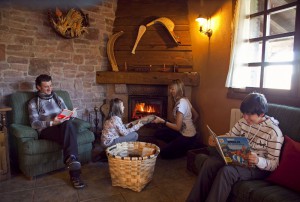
(265, 50)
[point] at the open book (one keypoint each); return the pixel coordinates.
(66, 114)
(234, 150)
(144, 120)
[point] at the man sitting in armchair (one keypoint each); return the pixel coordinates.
(43, 111)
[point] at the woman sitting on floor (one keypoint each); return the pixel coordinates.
(180, 134)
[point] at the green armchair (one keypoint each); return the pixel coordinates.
(36, 156)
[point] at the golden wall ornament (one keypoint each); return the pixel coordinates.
(166, 22)
(110, 50)
(169, 25)
(70, 24)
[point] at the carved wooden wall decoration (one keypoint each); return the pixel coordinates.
(110, 50)
(142, 30)
(156, 49)
(169, 25)
(166, 22)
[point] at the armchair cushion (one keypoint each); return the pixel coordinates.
(262, 190)
(23, 131)
(286, 174)
(41, 146)
(81, 125)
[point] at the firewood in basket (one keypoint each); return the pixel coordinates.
(148, 151)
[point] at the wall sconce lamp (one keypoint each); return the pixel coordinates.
(205, 25)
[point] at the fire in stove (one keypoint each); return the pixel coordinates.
(143, 105)
(142, 109)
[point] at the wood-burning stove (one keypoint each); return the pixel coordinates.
(143, 105)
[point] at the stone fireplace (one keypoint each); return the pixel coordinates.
(152, 86)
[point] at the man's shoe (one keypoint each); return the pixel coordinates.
(72, 163)
(77, 183)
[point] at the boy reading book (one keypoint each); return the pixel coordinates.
(216, 179)
(234, 150)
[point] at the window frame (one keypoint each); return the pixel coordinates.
(287, 97)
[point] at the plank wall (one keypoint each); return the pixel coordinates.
(156, 47)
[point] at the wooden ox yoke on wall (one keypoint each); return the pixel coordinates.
(166, 22)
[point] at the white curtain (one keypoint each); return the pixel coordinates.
(238, 75)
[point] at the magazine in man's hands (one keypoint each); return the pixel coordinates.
(66, 114)
(234, 150)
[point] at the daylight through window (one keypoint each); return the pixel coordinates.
(265, 48)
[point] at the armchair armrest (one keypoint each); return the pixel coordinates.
(23, 131)
(81, 125)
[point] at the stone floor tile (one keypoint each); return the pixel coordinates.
(167, 171)
(98, 188)
(16, 183)
(55, 178)
(149, 195)
(182, 186)
(94, 171)
(114, 198)
(56, 193)
(24, 196)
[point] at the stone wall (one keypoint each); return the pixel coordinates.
(29, 47)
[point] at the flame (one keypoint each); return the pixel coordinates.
(143, 108)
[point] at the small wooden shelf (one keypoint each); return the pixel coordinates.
(4, 154)
(150, 78)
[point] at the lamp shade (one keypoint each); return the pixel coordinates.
(201, 20)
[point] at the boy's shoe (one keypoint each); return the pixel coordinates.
(77, 183)
(72, 163)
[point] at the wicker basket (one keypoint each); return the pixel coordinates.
(129, 167)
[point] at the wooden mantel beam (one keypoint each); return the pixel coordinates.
(151, 78)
